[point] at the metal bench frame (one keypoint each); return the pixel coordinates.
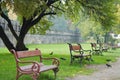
(81, 53)
(96, 49)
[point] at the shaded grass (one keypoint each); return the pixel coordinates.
(7, 62)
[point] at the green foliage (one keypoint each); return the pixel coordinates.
(102, 11)
(40, 28)
(116, 29)
(27, 8)
(73, 10)
(103, 17)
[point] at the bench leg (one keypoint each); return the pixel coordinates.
(71, 59)
(35, 76)
(89, 58)
(93, 52)
(81, 59)
(18, 75)
(55, 72)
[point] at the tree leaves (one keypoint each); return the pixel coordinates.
(40, 28)
(101, 10)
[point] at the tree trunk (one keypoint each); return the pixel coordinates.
(20, 46)
(20, 42)
(5, 39)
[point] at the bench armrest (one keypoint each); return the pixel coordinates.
(54, 62)
(87, 51)
(35, 67)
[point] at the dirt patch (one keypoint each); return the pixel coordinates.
(103, 72)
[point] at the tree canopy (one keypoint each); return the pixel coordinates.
(34, 12)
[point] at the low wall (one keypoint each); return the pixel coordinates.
(50, 37)
(53, 37)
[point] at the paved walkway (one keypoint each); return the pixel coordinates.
(103, 73)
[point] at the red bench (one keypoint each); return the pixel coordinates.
(33, 68)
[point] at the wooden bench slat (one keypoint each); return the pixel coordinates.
(47, 67)
(75, 47)
(42, 67)
(23, 54)
(28, 67)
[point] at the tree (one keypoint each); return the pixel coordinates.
(32, 12)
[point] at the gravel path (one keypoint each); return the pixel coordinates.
(103, 73)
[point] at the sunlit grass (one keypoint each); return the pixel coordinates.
(7, 62)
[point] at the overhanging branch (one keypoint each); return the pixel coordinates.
(42, 14)
(9, 23)
(58, 8)
(50, 13)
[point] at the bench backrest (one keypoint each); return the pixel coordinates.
(74, 47)
(93, 45)
(96, 46)
(23, 54)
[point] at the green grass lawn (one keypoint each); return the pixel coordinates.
(8, 68)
